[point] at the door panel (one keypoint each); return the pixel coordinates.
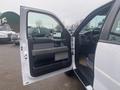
(107, 66)
(45, 45)
(107, 58)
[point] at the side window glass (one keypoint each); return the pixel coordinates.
(115, 32)
(95, 24)
(40, 25)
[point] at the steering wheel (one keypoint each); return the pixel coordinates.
(94, 36)
(84, 39)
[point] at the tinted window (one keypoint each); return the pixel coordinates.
(115, 32)
(40, 25)
(95, 24)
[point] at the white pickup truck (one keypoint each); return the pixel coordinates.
(92, 52)
(6, 33)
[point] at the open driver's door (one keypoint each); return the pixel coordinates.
(44, 45)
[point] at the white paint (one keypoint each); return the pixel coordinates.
(89, 87)
(107, 59)
(108, 76)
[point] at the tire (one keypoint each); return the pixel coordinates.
(70, 73)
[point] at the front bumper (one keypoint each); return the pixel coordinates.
(5, 40)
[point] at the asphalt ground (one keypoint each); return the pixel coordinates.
(11, 79)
